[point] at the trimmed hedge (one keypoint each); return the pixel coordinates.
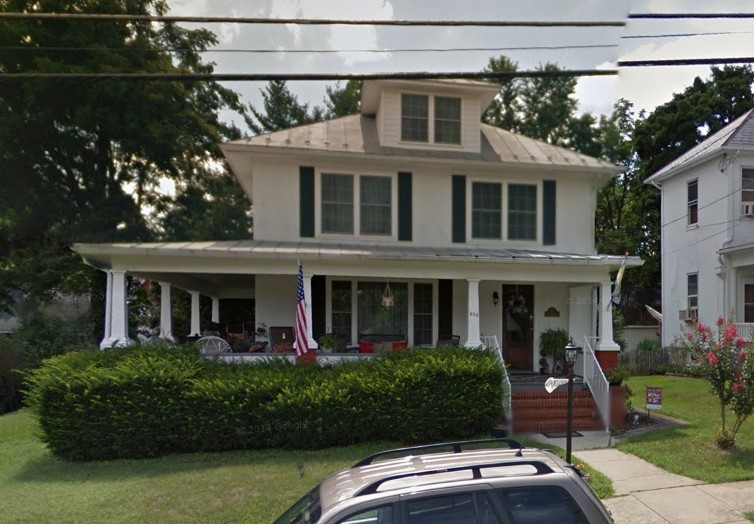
(147, 401)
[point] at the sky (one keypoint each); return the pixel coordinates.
(646, 87)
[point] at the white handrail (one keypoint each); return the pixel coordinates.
(745, 330)
(597, 383)
(490, 342)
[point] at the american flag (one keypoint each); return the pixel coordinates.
(302, 345)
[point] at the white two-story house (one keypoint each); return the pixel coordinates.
(410, 219)
(707, 228)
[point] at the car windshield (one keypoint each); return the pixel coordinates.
(306, 511)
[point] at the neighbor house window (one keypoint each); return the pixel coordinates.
(422, 314)
(692, 285)
(415, 118)
(337, 203)
(486, 210)
(376, 205)
(341, 309)
(748, 302)
(447, 120)
(693, 202)
(522, 212)
(747, 186)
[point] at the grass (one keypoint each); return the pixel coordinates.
(750, 516)
(690, 450)
(240, 486)
(243, 486)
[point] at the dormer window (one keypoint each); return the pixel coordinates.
(415, 118)
(415, 121)
(447, 120)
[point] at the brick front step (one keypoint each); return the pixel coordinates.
(537, 412)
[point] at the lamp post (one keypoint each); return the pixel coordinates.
(570, 356)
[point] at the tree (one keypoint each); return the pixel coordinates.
(281, 110)
(80, 160)
(343, 101)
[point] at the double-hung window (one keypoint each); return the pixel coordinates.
(693, 202)
(486, 210)
(747, 191)
(522, 212)
(692, 293)
(376, 205)
(748, 302)
(337, 203)
(415, 118)
(447, 120)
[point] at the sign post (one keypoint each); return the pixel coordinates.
(654, 399)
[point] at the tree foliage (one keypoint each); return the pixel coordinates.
(343, 100)
(280, 110)
(81, 160)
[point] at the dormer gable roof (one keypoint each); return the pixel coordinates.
(736, 136)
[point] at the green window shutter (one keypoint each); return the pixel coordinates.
(306, 201)
(548, 213)
(459, 208)
(405, 227)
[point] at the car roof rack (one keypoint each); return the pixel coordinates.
(540, 469)
(458, 447)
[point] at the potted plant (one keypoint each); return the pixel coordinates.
(552, 343)
(328, 343)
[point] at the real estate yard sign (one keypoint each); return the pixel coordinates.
(654, 398)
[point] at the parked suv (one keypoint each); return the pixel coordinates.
(477, 481)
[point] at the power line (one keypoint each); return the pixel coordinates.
(391, 50)
(243, 77)
(685, 62)
(302, 21)
(675, 16)
(683, 35)
(702, 207)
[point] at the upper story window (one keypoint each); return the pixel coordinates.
(343, 194)
(747, 189)
(486, 210)
(522, 212)
(692, 292)
(376, 205)
(337, 203)
(447, 120)
(693, 202)
(415, 118)
(444, 125)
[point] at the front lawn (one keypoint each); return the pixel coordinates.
(234, 486)
(691, 450)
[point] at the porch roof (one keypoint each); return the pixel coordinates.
(101, 255)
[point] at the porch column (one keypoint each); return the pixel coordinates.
(473, 334)
(607, 346)
(196, 330)
(106, 342)
(215, 310)
(118, 311)
(732, 304)
(166, 312)
(308, 310)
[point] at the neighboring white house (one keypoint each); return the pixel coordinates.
(472, 230)
(707, 228)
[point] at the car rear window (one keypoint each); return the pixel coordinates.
(307, 510)
(541, 505)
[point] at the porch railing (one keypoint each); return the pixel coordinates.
(491, 343)
(745, 330)
(596, 381)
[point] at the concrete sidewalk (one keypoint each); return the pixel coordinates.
(646, 494)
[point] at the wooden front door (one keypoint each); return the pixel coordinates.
(518, 327)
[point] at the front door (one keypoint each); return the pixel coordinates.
(518, 327)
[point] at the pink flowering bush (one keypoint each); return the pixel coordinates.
(727, 362)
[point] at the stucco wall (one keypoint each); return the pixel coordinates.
(276, 300)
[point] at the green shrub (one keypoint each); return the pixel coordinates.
(42, 336)
(10, 379)
(146, 401)
(649, 345)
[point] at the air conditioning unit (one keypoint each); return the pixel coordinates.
(687, 315)
(747, 209)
